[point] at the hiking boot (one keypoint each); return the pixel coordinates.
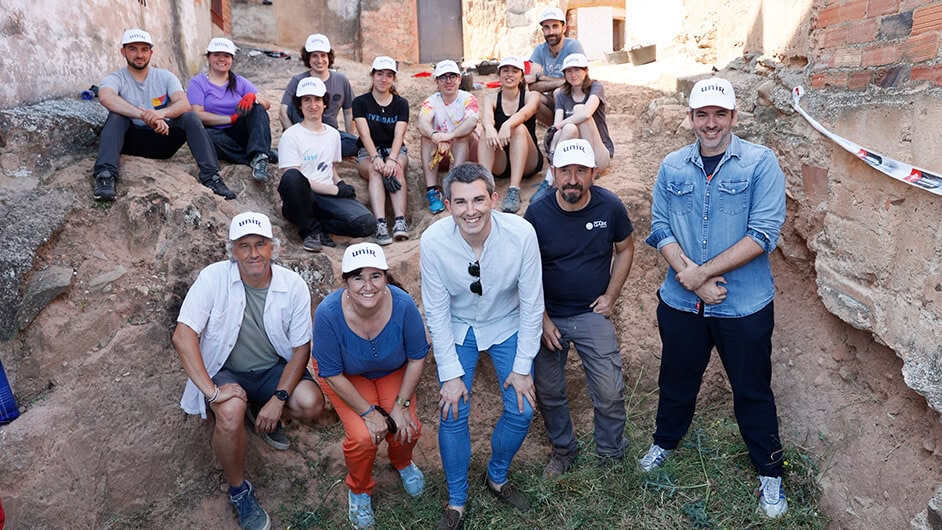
(771, 497)
(312, 243)
(400, 230)
(104, 186)
(219, 187)
(545, 189)
(508, 494)
(382, 234)
(557, 466)
(260, 168)
(276, 438)
(412, 479)
(251, 514)
(327, 241)
(451, 520)
(512, 200)
(435, 204)
(654, 458)
(360, 510)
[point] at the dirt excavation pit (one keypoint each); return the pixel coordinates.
(103, 442)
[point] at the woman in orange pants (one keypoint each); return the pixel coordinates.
(369, 352)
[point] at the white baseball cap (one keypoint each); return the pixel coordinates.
(576, 151)
(136, 35)
(574, 60)
(311, 86)
(445, 67)
(382, 62)
(220, 44)
(363, 255)
(712, 92)
(317, 43)
(552, 13)
(511, 60)
(249, 223)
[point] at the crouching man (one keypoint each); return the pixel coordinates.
(244, 339)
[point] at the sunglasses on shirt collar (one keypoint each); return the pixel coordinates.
(474, 269)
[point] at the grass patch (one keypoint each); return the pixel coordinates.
(708, 483)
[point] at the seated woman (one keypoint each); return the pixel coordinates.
(233, 111)
(580, 113)
(369, 353)
(509, 124)
(382, 116)
(313, 196)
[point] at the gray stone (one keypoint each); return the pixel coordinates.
(896, 26)
(42, 288)
(38, 139)
(22, 231)
(103, 280)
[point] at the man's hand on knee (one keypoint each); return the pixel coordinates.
(230, 391)
(523, 386)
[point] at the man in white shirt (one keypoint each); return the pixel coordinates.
(482, 290)
(244, 339)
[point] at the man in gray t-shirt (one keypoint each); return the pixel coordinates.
(149, 116)
(546, 72)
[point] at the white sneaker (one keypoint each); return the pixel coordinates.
(655, 457)
(771, 497)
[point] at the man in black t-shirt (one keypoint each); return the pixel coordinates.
(586, 247)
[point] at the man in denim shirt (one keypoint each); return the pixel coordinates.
(717, 211)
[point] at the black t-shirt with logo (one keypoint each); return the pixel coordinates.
(576, 249)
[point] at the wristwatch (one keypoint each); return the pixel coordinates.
(536, 77)
(404, 402)
(281, 395)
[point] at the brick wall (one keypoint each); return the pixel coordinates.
(389, 27)
(887, 43)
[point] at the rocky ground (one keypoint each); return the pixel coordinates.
(102, 442)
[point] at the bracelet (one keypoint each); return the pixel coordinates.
(396, 160)
(371, 409)
(374, 157)
(215, 396)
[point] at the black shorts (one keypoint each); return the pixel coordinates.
(259, 385)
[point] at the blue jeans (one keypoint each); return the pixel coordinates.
(454, 437)
(594, 338)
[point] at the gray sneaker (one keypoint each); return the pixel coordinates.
(260, 168)
(382, 234)
(512, 201)
(655, 456)
(276, 438)
(312, 243)
(772, 500)
(400, 230)
(251, 514)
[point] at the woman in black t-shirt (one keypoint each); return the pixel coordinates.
(381, 117)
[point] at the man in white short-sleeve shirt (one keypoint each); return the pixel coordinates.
(244, 339)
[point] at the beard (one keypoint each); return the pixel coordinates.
(573, 193)
(138, 68)
(552, 40)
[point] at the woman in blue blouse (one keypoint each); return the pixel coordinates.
(369, 353)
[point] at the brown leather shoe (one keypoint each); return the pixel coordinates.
(508, 494)
(452, 520)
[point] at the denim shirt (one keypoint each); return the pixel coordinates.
(744, 198)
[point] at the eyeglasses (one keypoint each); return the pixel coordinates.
(474, 269)
(449, 77)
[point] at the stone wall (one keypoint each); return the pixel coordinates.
(495, 29)
(296, 19)
(886, 43)
(57, 48)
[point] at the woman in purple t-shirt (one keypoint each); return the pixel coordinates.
(233, 111)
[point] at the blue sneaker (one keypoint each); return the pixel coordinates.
(251, 514)
(412, 479)
(545, 189)
(360, 510)
(435, 203)
(654, 458)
